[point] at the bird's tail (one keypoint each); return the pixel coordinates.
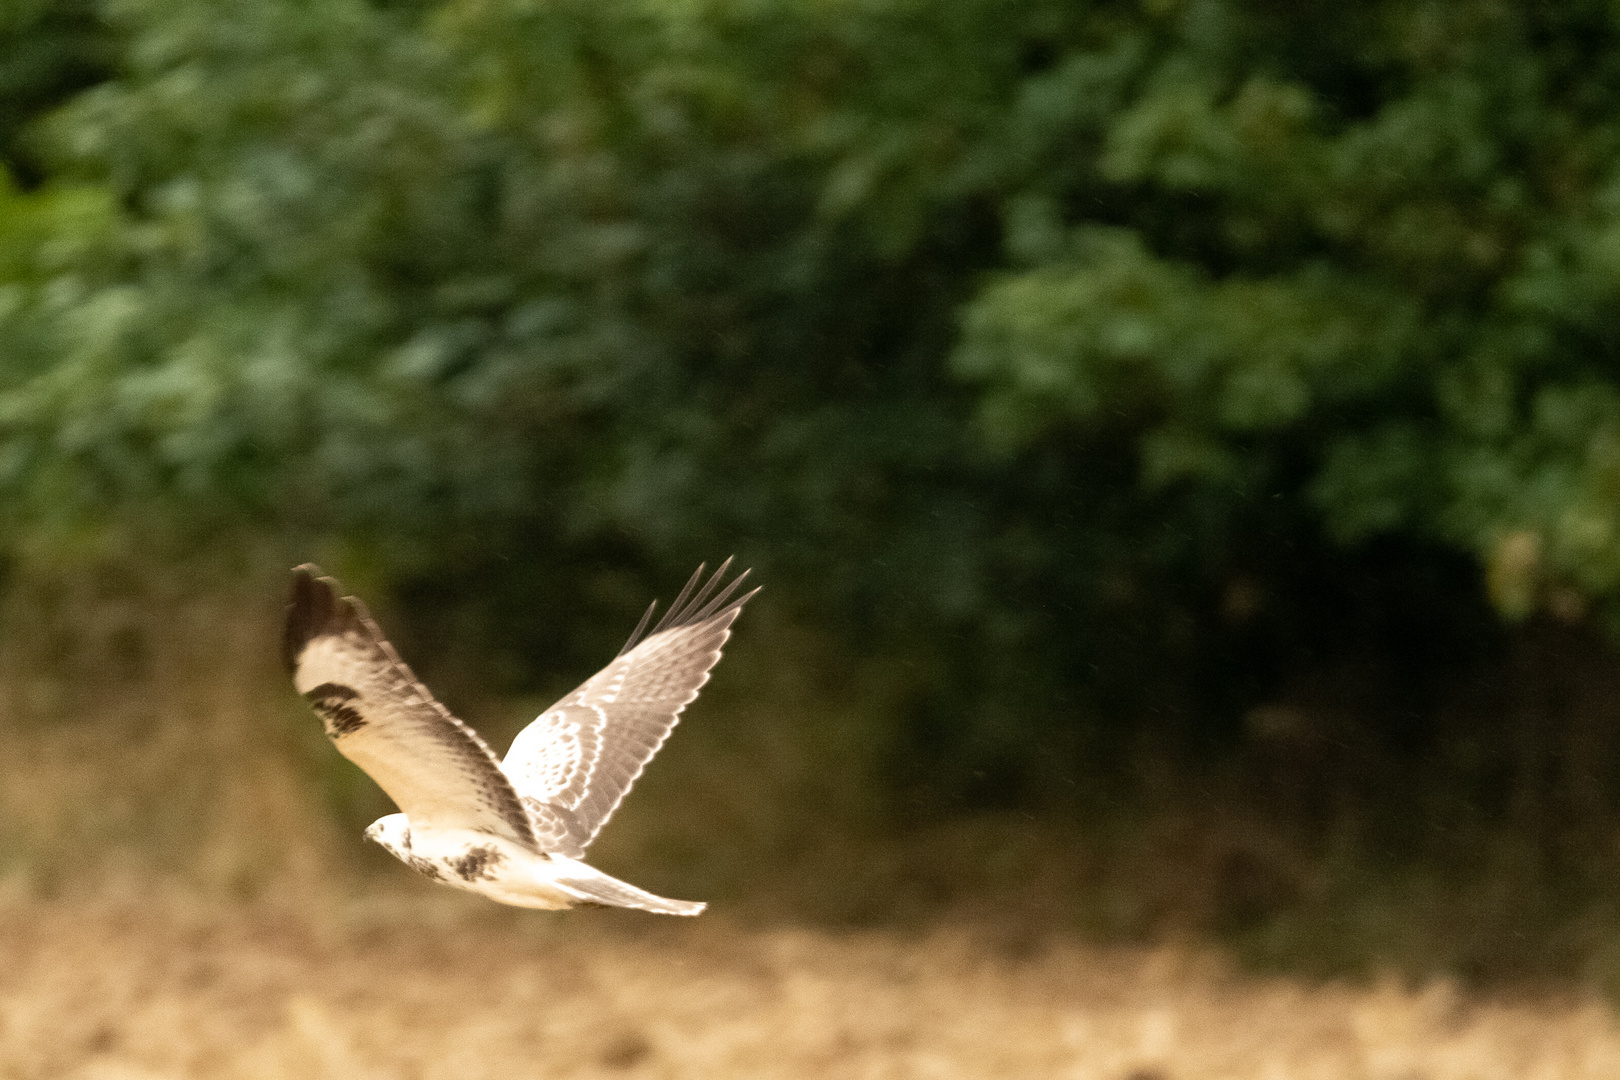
(597, 888)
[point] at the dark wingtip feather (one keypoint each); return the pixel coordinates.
(695, 604)
(718, 602)
(313, 609)
(641, 627)
(677, 606)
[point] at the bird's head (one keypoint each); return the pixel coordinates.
(393, 833)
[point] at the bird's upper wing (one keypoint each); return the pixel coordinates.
(575, 762)
(437, 769)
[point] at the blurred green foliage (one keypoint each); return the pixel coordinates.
(1106, 364)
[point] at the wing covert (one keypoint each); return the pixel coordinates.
(435, 767)
(575, 763)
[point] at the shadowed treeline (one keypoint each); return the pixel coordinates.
(1180, 441)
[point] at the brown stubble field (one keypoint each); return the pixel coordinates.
(410, 984)
(182, 894)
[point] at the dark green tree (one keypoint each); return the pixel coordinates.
(1113, 363)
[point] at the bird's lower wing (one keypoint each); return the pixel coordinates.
(435, 768)
(578, 759)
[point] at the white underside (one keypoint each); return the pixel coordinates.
(496, 868)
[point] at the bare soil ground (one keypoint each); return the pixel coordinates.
(419, 986)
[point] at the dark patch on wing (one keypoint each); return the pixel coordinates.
(426, 867)
(478, 864)
(328, 700)
(333, 690)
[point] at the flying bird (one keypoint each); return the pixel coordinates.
(514, 830)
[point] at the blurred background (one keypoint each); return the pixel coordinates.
(1179, 441)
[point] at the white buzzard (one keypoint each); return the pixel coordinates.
(514, 830)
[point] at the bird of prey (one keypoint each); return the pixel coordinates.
(514, 830)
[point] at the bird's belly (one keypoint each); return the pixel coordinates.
(488, 865)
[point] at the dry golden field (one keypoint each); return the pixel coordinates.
(182, 894)
(422, 986)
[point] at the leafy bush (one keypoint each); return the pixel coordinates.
(1111, 367)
